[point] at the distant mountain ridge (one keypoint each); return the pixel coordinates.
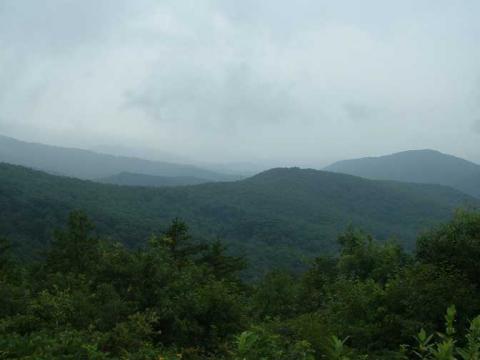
(85, 164)
(417, 166)
(276, 218)
(132, 179)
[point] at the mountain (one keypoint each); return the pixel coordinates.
(131, 179)
(276, 218)
(85, 164)
(418, 166)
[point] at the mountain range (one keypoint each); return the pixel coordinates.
(276, 218)
(85, 164)
(417, 166)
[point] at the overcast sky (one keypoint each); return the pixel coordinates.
(286, 82)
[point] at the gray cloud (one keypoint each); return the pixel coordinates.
(242, 80)
(228, 102)
(361, 112)
(476, 126)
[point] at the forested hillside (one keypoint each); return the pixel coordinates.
(276, 218)
(86, 164)
(419, 166)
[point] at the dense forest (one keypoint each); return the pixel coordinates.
(178, 298)
(276, 218)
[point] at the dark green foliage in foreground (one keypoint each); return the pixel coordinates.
(277, 218)
(454, 245)
(178, 298)
(96, 299)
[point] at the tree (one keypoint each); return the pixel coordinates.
(74, 249)
(5, 260)
(222, 265)
(363, 258)
(454, 245)
(178, 241)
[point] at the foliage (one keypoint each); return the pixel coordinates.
(445, 346)
(180, 298)
(455, 245)
(259, 344)
(96, 299)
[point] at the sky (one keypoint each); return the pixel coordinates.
(275, 82)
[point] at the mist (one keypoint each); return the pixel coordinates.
(278, 83)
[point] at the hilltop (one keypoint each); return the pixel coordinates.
(418, 166)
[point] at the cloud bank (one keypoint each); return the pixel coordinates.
(304, 82)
